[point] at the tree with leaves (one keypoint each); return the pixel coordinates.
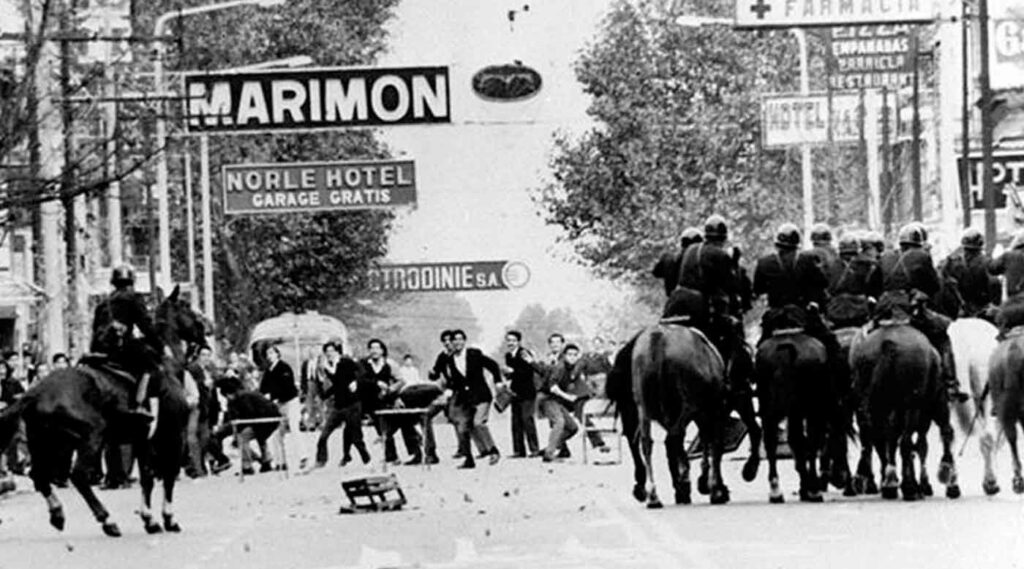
(677, 138)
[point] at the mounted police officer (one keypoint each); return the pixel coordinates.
(667, 267)
(828, 257)
(1011, 265)
(910, 280)
(966, 271)
(859, 281)
(128, 359)
(796, 287)
(708, 282)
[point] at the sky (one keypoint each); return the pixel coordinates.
(475, 176)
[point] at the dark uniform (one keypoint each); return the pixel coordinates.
(667, 267)
(859, 280)
(908, 275)
(967, 271)
(1011, 265)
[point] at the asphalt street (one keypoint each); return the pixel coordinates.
(522, 513)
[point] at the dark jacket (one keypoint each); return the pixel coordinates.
(1011, 264)
(909, 269)
(568, 378)
(440, 369)
(209, 406)
(116, 316)
(369, 391)
(337, 383)
(522, 376)
(710, 270)
(969, 270)
(278, 383)
(248, 405)
(667, 269)
(828, 262)
(861, 276)
(790, 277)
(471, 388)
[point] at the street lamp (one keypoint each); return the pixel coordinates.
(163, 211)
(807, 173)
(204, 184)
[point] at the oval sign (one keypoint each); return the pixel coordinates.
(506, 83)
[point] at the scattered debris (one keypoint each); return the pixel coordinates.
(466, 498)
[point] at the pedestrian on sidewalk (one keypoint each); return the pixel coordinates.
(342, 380)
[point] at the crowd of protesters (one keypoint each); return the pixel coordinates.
(251, 407)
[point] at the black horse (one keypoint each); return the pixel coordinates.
(899, 394)
(793, 383)
(677, 378)
(66, 412)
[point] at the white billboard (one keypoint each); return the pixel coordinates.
(807, 13)
(790, 120)
(1006, 40)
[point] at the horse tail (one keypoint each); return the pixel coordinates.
(618, 385)
(9, 418)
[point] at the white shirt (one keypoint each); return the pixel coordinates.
(409, 375)
(459, 358)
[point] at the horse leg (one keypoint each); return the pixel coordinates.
(771, 450)
(908, 483)
(745, 407)
(168, 508)
(146, 486)
(886, 448)
(816, 436)
(1011, 438)
(673, 449)
(987, 445)
(88, 450)
(703, 487)
(631, 430)
(719, 491)
(947, 467)
(39, 448)
(864, 480)
(646, 444)
(925, 485)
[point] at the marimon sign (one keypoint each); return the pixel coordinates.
(806, 13)
(318, 186)
(456, 276)
(314, 99)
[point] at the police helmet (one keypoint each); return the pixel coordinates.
(689, 236)
(872, 240)
(849, 244)
(123, 275)
(912, 234)
(788, 236)
(923, 230)
(972, 239)
(820, 233)
(715, 228)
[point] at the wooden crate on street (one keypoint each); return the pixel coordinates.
(372, 494)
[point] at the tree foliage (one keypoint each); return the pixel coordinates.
(272, 263)
(677, 138)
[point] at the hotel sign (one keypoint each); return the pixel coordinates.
(315, 99)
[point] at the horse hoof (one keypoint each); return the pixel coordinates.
(111, 529)
(777, 499)
(654, 504)
(150, 526)
(813, 497)
(991, 487)
(870, 487)
(859, 485)
(639, 493)
(170, 525)
(910, 493)
(945, 471)
(926, 489)
(683, 494)
(849, 491)
(57, 519)
(702, 485)
(720, 495)
(1018, 485)
(890, 492)
(953, 492)
(750, 469)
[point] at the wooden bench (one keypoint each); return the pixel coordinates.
(370, 494)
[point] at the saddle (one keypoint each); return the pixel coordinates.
(101, 364)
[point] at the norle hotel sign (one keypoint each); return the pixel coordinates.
(804, 13)
(315, 99)
(318, 186)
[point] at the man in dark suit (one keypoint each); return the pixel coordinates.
(471, 397)
(520, 369)
(279, 385)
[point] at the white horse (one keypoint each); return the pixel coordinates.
(974, 341)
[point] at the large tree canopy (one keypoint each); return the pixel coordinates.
(272, 263)
(677, 138)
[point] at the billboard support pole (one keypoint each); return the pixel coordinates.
(984, 81)
(806, 167)
(204, 190)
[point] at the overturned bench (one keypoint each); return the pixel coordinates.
(372, 494)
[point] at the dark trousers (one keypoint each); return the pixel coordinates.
(410, 436)
(524, 426)
(563, 425)
(351, 417)
(471, 422)
(197, 439)
(245, 436)
(118, 459)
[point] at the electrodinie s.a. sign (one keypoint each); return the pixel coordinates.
(315, 99)
(318, 186)
(454, 276)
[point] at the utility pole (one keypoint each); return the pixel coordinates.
(987, 187)
(965, 117)
(887, 190)
(51, 164)
(915, 142)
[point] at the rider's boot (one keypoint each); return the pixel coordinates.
(949, 372)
